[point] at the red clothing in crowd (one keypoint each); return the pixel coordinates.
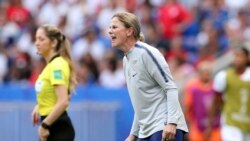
(18, 14)
(171, 18)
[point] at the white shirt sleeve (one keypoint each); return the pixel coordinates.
(245, 75)
(219, 84)
(135, 127)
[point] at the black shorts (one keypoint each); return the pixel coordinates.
(62, 129)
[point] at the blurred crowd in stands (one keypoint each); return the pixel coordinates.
(187, 32)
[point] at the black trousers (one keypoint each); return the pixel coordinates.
(62, 129)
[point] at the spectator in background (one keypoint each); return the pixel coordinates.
(17, 13)
(53, 12)
(131, 5)
(147, 15)
(88, 44)
(232, 87)
(95, 6)
(90, 73)
(112, 7)
(198, 96)
(37, 67)
(210, 43)
(84, 74)
(76, 18)
(9, 29)
(181, 69)
(25, 42)
(154, 95)
(111, 75)
(172, 18)
(190, 3)
(238, 28)
(216, 15)
(4, 35)
(3, 63)
(34, 6)
(151, 36)
(21, 67)
(54, 86)
(216, 12)
(235, 6)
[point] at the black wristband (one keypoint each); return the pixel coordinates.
(45, 126)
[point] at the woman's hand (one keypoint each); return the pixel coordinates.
(43, 133)
(35, 116)
(169, 132)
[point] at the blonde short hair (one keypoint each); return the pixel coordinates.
(130, 20)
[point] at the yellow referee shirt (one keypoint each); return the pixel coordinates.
(56, 72)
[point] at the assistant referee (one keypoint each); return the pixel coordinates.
(53, 86)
